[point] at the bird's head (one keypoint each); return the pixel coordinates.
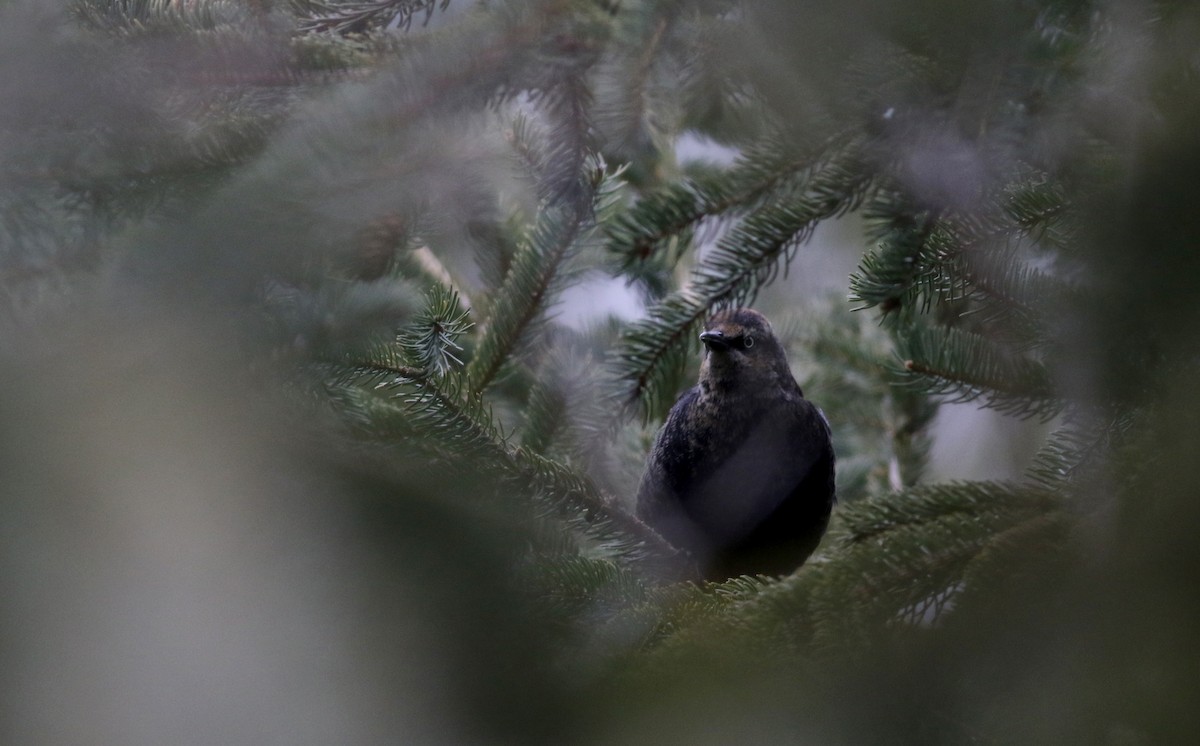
(742, 352)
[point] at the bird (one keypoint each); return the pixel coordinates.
(741, 474)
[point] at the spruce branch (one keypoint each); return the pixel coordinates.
(908, 577)
(527, 140)
(926, 257)
(1016, 556)
(626, 76)
(431, 340)
(964, 366)
(1040, 207)
(392, 400)
(499, 54)
(527, 289)
(564, 176)
(542, 264)
(583, 588)
(674, 617)
(746, 617)
(156, 16)
(746, 258)
(767, 171)
(1077, 447)
(869, 520)
(576, 500)
(567, 411)
(902, 561)
(1006, 285)
(904, 262)
(359, 16)
(544, 415)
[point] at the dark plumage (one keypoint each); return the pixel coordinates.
(742, 473)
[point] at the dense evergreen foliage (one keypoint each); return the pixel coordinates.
(292, 407)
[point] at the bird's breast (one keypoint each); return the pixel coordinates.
(713, 433)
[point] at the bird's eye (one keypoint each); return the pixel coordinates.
(747, 341)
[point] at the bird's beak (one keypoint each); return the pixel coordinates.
(714, 340)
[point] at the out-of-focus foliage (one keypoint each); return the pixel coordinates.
(298, 447)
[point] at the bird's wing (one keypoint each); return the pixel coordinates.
(668, 470)
(806, 435)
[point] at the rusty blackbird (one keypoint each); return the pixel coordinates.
(741, 475)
